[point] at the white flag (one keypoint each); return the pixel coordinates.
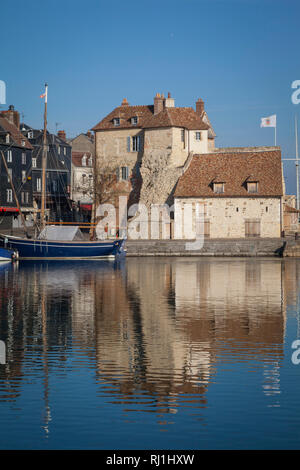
(268, 121)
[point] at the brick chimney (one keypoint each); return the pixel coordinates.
(199, 106)
(158, 103)
(169, 102)
(62, 135)
(12, 116)
(125, 102)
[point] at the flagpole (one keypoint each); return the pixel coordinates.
(275, 134)
(297, 164)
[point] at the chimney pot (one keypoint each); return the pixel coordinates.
(62, 135)
(125, 102)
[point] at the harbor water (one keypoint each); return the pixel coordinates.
(150, 353)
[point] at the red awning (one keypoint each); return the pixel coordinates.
(87, 207)
(9, 209)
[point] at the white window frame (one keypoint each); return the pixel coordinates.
(39, 184)
(136, 143)
(30, 135)
(7, 138)
(23, 158)
(33, 162)
(23, 176)
(116, 122)
(10, 174)
(9, 156)
(9, 195)
(126, 171)
(134, 120)
(198, 136)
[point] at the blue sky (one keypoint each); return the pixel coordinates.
(239, 56)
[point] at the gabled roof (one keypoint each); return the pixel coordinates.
(168, 117)
(234, 168)
(16, 135)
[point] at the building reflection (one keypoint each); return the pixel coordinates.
(156, 331)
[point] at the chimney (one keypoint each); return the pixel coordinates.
(158, 103)
(125, 102)
(90, 135)
(169, 102)
(62, 135)
(12, 116)
(199, 106)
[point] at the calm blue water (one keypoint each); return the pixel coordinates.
(150, 354)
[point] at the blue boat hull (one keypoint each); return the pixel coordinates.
(5, 255)
(45, 249)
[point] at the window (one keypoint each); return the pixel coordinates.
(38, 184)
(9, 156)
(58, 150)
(90, 161)
(9, 195)
(198, 135)
(23, 143)
(54, 186)
(26, 197)
(23, 176)
(9, 176)
(30, 135)
(7, 138)
(34, 163)
(252, 227)
(218, 188)
(83, 161)
(23, 158)
(136, 143)
(124, 173)
(134, 120)
(22, 197)
(182, 135)
(116, 121)
(252, 187)
(65, 150)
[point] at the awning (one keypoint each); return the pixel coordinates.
(9, 209)
(87, 207)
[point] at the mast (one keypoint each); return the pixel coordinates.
(297, 162)
(44, 162)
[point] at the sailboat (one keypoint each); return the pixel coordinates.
(56, 242)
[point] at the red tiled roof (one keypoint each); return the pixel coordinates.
(234, 168)
(15, 133)
(77, 158)
(168, 117)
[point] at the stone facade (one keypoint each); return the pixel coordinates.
(228, 217)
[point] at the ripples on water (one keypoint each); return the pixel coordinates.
(150, 353)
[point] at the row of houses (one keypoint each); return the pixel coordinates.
(155, 154)
(68, 176)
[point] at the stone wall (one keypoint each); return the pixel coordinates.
(226, 216)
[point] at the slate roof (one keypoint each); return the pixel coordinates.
(234, 169)
(16, 135)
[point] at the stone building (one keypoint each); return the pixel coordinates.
(146, 146)
(240, 190)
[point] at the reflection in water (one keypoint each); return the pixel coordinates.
(154, 333)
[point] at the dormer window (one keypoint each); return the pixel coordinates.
(90, 161)
(83, 161)
(116, 122)
(7, 139)
(134, 120)
(252, 187)
(218, 188)
(23, 143)
(30, 135)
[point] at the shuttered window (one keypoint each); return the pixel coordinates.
(252, 228)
